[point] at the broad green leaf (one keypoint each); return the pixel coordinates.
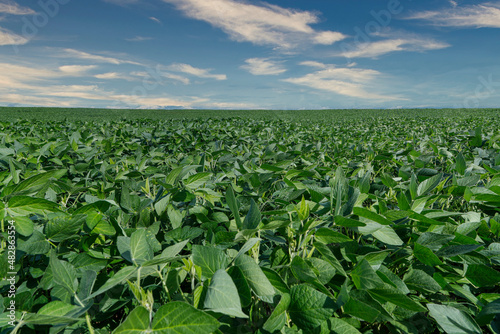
(242, 285)
(35, 245)
(276, 280)
(460, 164)
(119, 277)
(63, 228)
(140, 248)
(247, 246)
(329, 257)
(256, 279)
(434, 241)
(253, 217)
(489, 312)
(24, 226)
(222, 296)
(309, 307)
(182, 318)
(348, 222)
(37, 182)
(396, 297)
(210, 259)
(362, 305)
(429, 184)
(25, 206)
(197, 180)
(452, 320)
(339, 326)
(426, 256)
(63, 273)
(420, 281)
(362, 212)
(175, 249)
(387, 235)
(482, 276)
(56, 308)
(277, 319)
(364, 277)
(454, 250)
(233, 206)
(328, 236)
(137, 322)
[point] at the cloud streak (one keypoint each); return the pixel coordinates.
(486, 15)
(7, 37)
(12, 8)
(352, 82)
(263, 24)
(379, 48)
(263, 66)
(197, 72)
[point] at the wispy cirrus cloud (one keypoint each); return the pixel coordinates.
(379, 48)
(263, 66)
(152, 18)
(7, 37)
(259, 23)
(12, 8)
(77, 54)
(347, 81)
(485, 15)
(197, 72)
(138, 39)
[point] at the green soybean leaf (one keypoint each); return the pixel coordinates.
(362, 212)
(420, 281)
(63, 273)
(242, 285)
(233, 206)
(136, 322)
(328, 236)
(253, 217)
(24, 226)
(140, 248)
(452, 320)
(119, 277)
(364, 277)
(460, 164)
(277, 319)
(56, 308)
(63, 228)
(426, 256)
(222, 296)
(482, 276)
(339, 326)
(309, 307)
(26, 205)
(396, 297)
(37, 182)
(428, 185)
(256, 279)
(182, 318)
(35, 245)
(210, 259)
(329, 257)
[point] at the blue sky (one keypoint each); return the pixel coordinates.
(239, 54)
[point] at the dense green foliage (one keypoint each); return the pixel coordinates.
(233, 225)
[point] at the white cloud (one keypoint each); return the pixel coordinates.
(345, 81)
(263, 66)
(76, 69)
(313, 64)
(155, 19)
(113, 76)
(378, 48)
(474, 16)
(12, 8)
(72, 53)
(139, 39)
(263, 24)
(198, 72)
(158, 74)
(7, 37)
